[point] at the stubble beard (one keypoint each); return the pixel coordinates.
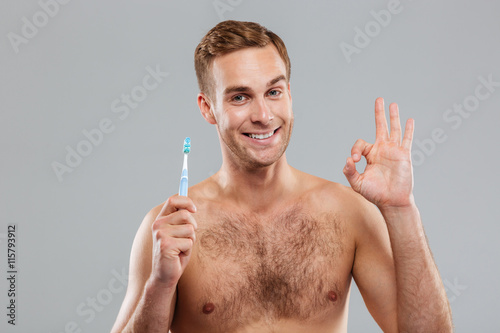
(246, 160)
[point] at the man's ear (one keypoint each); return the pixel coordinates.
(206, 108)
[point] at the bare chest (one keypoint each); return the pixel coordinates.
(289, 266)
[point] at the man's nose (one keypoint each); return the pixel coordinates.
(261, 112)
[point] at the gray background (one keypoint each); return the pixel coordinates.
(75, 235)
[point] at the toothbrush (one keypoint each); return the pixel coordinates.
(183, 187)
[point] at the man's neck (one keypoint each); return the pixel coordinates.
(258, 189)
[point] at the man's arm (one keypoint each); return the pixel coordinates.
(160, 253)
(373, 269)
(155, 310)
(387, 181)
(422, 302)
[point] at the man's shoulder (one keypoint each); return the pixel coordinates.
(207, 189)
(327, 188)
(335, 196)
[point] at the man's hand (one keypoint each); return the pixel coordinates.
(173, 239)
(387, 180)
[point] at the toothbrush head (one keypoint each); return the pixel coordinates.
(187, 145)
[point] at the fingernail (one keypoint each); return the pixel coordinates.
(355, 156)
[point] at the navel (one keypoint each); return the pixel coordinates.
(208, 308)
(332, 296)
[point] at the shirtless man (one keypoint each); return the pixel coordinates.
(263, 247)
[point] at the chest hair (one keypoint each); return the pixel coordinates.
(282, 266)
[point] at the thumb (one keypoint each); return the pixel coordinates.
(352, 175)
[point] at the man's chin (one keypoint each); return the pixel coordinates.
(264, 162)
(258, 165)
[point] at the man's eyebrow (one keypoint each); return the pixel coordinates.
(233, 89)
(276, 80)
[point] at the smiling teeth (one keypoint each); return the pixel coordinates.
(261, 136)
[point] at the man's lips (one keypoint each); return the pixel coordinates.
(261, 136)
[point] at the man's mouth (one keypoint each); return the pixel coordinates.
(261, 136)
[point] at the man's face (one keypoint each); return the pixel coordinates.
(253, 105)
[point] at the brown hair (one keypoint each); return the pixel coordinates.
(229, 36)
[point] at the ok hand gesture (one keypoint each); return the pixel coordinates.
(387, 180)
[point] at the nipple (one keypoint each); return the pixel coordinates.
(208, 308)
(332, 296)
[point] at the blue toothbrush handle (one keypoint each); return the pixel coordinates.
(183, 186)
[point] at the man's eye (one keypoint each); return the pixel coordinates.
(238, 98)
(274, 93)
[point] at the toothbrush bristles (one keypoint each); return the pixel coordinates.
(187, 145)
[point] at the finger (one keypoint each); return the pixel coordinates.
(408, 138)
(360, 148)
(183, 245)
(352, 174)
(395, 123)
(169, 243)
(176, 202)
(380, 121)
(176, 218)
(181, 231)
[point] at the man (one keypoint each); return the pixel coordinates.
(263, 247)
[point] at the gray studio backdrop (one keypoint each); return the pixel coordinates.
(97, 97)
